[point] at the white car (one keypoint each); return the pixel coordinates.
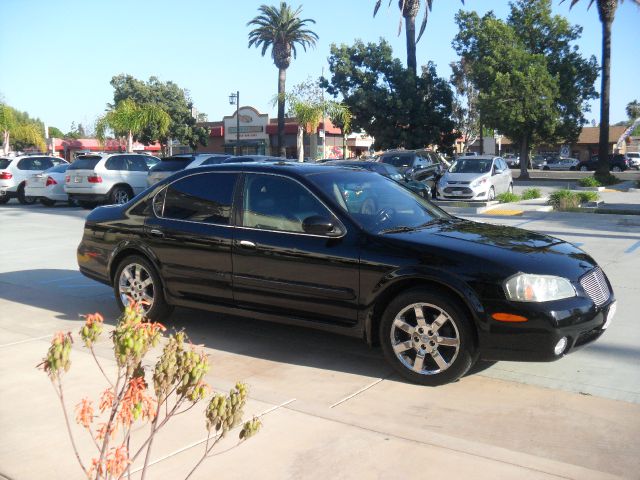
(560, 164)
(112, 179)
(634, 159)
(170, 165)
(15, 171)
(475, 178)
(48, 187)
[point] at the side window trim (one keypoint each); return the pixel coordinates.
(240, 208)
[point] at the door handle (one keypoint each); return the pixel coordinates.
(156, 233)
(247, 244)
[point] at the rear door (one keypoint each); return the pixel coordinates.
(138, 171)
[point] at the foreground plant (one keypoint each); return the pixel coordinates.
(178, 385)
(531, 194)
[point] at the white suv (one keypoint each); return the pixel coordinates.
(15, 171)
(634, 160)
(113, 179)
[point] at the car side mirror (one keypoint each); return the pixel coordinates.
(318, 225)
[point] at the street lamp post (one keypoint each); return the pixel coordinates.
(234, 99)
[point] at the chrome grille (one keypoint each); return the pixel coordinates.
(596, 286)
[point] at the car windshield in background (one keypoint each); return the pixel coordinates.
(4, 163)
(379, 204)
(398, 160)
(171, 164)
(471, 165)
(58, 168)
(85, 163)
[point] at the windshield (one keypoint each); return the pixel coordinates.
(471, 165)
(172, 164)
(85, 163)
(401, 161)
(4, 163)
(375, 202)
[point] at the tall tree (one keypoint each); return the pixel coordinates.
(606, 12)
(465, 103)
(386, 101)
(409, 10)
(18, 127)
(172, 99)
(281, 29)
(546, 82)
(633, 110)
(129, 119)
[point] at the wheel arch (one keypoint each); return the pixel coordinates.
(127, 250)
(123, 185)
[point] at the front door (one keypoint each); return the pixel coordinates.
(280, 269)
(190, 235)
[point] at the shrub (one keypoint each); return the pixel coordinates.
(177, 384)
(607, 179)
(508, 197)
(563, 200)
(588, 196)
(589, 182)
(531, 193)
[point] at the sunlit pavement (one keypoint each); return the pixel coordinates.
(332, 408)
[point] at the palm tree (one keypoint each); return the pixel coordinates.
(409, 10)
(281, 30)
(607, 12)
(30, 133)
(128, 118)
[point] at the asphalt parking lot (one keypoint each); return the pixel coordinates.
(331, 406)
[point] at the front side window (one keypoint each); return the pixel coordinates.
(272, 202)
(400, 161)
(205, 197)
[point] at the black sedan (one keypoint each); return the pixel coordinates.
(388, 171)
(353, 252)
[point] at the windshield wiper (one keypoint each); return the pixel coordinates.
(399, 229)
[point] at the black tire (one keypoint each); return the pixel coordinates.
(456, 326)
(616, 168)
(47, 202)
(23, 199)
(159, 309)
(546, 168)
(492, 194)
(584, 168)
(87, 205)
(4, 199)
(120, 195)
(510, 190)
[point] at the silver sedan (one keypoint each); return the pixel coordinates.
(560, 164)
(48, 186)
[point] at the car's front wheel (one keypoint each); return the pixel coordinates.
(616, 168)
(426, 337)
(492, 194)
(136, 279)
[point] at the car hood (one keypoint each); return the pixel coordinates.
(497, 250)
(463, 177)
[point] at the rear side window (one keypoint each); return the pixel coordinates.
(117, 162)
(172, 164)
(35, 163)
(4, 163)
(214, 160)
(401, 161)
(137, 164)
(205, 197)
(85, 163)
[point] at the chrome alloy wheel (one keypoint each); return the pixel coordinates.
(121, 197)
(136, 282)
(425, 338)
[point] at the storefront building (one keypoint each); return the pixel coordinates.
(69, 148)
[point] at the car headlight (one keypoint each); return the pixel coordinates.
(478, 182)
(526, 287)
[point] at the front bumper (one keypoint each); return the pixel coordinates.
(463, 192)
(578, 319)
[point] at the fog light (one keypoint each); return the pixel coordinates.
(560, 346)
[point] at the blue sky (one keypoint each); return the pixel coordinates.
(57, 57)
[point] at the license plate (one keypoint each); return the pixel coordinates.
(77, 179)
(610, 314)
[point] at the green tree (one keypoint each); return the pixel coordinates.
(55, 132)
(606, 12)
(129, 119)
(386, 101)
(18, 127)
(281, 29)
(172, 99)
(409, 10)
(633, 110)
(465, 103)
(534, 85)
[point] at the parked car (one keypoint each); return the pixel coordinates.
(512, 160)
(560, 164)
(475, 178)
(284, 242)
(617, 163)
(424, 168)
(15, 171)
(169, 165)
(48, 187)
(634, 160)
(114, 178)
(388, 171)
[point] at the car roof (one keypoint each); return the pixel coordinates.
(477, 157)
(294, 169)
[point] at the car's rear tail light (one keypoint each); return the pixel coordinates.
(67, 179)
(5, 176)
(94, 179)
(50, 181)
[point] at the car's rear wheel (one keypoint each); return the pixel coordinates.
(47, 202)
(616, 168)
(120, 195)
(546, 168)
(4, 199)
(426, 337)
(584, 168)
(24, 199)
(136, 279)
